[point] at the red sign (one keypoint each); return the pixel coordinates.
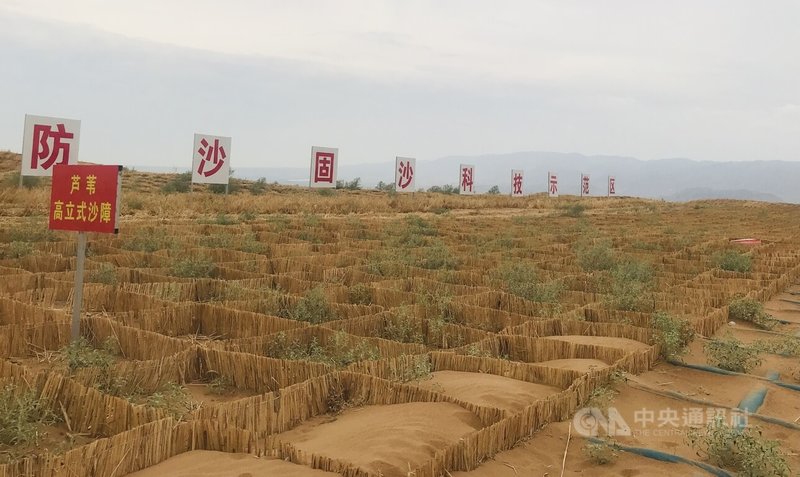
(85, 198)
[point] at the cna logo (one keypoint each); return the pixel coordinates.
(591, 422)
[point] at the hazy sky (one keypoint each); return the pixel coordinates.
(709, 80)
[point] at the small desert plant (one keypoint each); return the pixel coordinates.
(341, 351)
(192, 267)
(785, 346)
(732, 261)
(225, 219)
(17, 249)
(474, 350)
(494, 190)
(181, 183)
(259, 186)
(420, 368)
(748, 309)
(594, 257)
(106, 273)
(149, 241)
(313, 308)
(221, 385)
(673, 334)
(444, 189)
(21, 414)
(354, 184)
(173, 399)
(402, 328)
(438, 257)
(632, 284)
(601, 453)
(360, 294)
(742, 449)
(520, 279)
(729, 353)
(81, 354)
(575, 210)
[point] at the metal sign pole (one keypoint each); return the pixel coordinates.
(77, 297)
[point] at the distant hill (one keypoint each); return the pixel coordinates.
(706, 193)
(672, 179)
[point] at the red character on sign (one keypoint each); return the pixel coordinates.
(43, 135)
(466, 179)
(323, 167)
(611, 190)
(516, 184)
(585, 185)
(406, 174)
(553, 185)
(211, 155)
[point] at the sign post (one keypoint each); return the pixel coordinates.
(84, 198)
(552, 184)
(211, 162)
(404, 174)
(516, 183)
(466, 179)
(324, 162)
(47, 142)
(612, 186)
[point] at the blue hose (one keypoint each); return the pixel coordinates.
(664, 457)
(753, 400)
(715, 370)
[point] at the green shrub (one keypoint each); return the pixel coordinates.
(172, 398)
(742, 449)
(81, 354)
(438, 257)
(192, 267)
(18, 250)
(575, 210)
(258, 186)
(673, 334)
(225, 219)
(221, 385)
(632, 284)
(354, 184)
(732, 261)
(181, 183)
(420, 368)
(360, 294)
(150, 240)
(495, 190)
(784, 346)
(748, 309)
(21, 415)
(444, 189)
(106, 273)
(385, 186)
(402, 328)
(520, 279)
(595, 257)
(731, 354)
(340, 352)
(313, 308)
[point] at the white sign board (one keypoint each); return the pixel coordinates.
(466, 179)
(405, 174)
(516, 183)
(584, 184)
(47, 142)
(211, 162)
(612, 186)
(324, 161)
(552, 184)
